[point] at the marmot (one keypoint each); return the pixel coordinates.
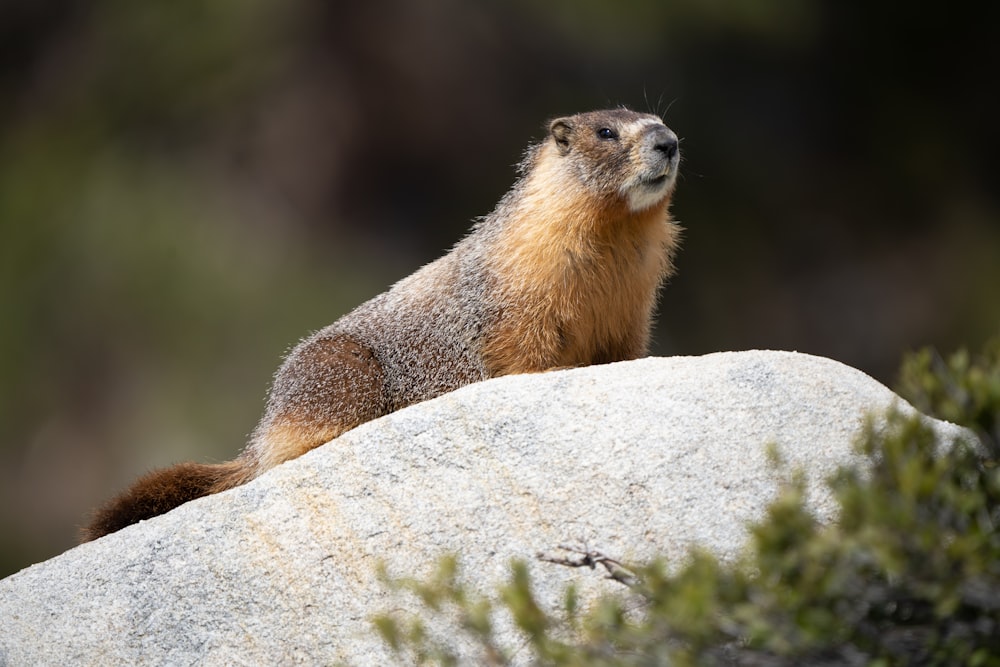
(564, 272)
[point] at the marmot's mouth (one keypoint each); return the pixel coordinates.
(656, 181)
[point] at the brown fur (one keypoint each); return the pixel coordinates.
(564, 272)
(160, 491)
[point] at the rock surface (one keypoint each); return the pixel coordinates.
(634, 459)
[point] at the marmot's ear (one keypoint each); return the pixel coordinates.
(561, 129)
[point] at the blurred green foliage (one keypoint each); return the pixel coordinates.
(964, 389)
(98, 226)
(908, 574)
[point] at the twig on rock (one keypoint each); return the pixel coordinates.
(592, 558)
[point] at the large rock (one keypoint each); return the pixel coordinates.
(635, 459)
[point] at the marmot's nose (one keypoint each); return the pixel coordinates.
(666, 143)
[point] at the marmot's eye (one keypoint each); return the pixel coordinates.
(607, 133)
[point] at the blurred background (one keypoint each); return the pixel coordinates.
(189, 187)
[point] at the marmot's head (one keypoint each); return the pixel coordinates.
(619, 153)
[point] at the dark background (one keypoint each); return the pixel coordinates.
(188, 187)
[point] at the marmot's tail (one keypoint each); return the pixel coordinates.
(161, 491)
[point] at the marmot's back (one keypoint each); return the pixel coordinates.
(425, 333)
(564, 272)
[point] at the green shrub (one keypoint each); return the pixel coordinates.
(909, 575)
(964, 389)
